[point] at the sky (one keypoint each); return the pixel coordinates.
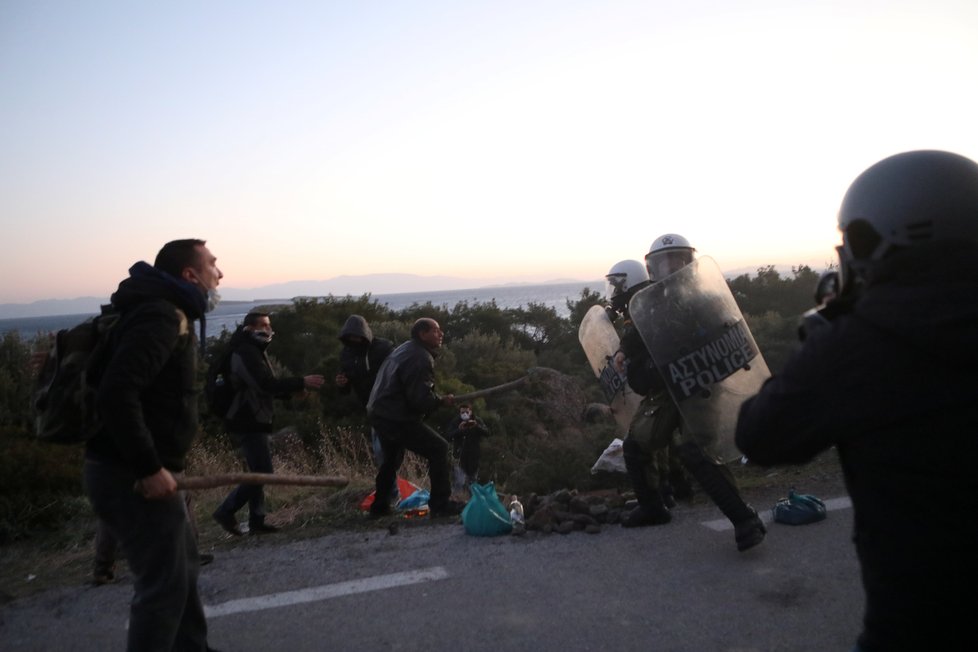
(495, 141)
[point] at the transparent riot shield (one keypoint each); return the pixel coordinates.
(704, 350)
(600, 342)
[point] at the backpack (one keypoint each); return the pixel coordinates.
(64, 397)
(218, 388)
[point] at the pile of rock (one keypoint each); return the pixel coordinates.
(567, 511)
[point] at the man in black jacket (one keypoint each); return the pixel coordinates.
(360, 361)
(148, 407)
(360, 358)
(403, 394)
(249, 419)
(890, 382)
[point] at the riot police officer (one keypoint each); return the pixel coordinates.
(649, 433)
(897, 369)
(668, 254)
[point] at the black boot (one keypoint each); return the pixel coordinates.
(750, 532)
(651, 510)
(719, 485)
(645, 515)
(678, 478)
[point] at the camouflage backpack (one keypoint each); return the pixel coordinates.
(64, 397)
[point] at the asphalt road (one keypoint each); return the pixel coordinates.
(431, 587)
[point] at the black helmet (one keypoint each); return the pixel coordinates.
(905, 200)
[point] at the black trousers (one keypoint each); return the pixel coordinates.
(166, 613)
(467, 450)
(415, 436)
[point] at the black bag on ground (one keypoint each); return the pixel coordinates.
(64, 397)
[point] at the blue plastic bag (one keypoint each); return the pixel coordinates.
(799, 509)
(484, 515)
(416, 500)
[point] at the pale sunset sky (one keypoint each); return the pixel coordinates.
(497, 141)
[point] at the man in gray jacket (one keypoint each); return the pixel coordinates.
(402, 395)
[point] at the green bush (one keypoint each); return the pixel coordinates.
(38, 483)
(486, 360)
(15, 381)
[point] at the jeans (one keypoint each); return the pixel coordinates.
(166, 614)
(253, 446)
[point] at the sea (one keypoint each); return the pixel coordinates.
(229, 314)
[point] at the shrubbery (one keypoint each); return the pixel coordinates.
(539, 441)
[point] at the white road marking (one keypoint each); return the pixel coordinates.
(831, 504)
(325, 592)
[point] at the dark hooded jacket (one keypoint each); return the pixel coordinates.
(405, 387)
(893, 387)
(146, 398)
(360, 361)
(255, 385)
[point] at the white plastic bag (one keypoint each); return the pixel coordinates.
(612, 459)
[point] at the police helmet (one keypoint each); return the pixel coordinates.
(669, 253)
(906, 200)
(623, 280)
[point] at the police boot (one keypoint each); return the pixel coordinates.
(719, 485)
(650, 510)
(678, 478)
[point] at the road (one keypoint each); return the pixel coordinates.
(431, 587)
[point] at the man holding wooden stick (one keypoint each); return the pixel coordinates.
(403, 394)
(148, 408)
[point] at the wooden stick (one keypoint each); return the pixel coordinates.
(211, 481)
(513, 384)
(479, 393)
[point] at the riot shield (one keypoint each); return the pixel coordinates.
(704, 350)
(600, 341)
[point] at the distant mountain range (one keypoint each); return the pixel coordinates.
(373, 284)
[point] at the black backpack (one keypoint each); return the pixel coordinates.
(64, 396)
(218, 388)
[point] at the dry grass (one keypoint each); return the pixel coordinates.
(64, 557)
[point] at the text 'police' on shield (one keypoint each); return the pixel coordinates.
(711, 363)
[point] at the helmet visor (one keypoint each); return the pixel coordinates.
(614, 285)
(663, 263)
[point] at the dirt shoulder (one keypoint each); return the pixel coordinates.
(65, 558)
